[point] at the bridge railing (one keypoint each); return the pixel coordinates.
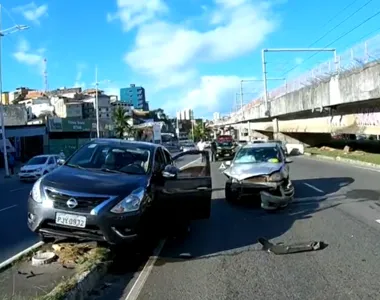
(356, 57)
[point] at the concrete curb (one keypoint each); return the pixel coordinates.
(81, 284)
(342, 159)
(5, 264)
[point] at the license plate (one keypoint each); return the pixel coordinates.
(70, 220)
(227, 154)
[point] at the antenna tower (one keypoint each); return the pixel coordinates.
(45, 76)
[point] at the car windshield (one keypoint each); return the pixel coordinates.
(38, 160)
(115, 158)
(258, 155)
(225, 144)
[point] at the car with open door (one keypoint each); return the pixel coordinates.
(118, 191)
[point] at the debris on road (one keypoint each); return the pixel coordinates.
(43, 258)
(281, 249)
(55, 270)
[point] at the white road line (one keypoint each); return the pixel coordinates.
(313, 187)
(378, 220)
(18, 255)
(6, 208)
(144, 274)
(20, 189)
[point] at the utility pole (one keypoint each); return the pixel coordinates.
(97, 103)
(264, 63)
(2, 117)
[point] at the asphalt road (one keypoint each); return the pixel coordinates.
(335, 203)
(15, 235)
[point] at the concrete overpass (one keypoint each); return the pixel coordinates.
(346, 102)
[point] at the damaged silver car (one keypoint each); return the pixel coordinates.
(260, 171)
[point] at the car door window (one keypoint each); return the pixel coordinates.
(191, 166)
(51, 161)
(168, 157)
(159, 160)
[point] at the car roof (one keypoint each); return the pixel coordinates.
(44, 155)
(261, 145)
(115, 142)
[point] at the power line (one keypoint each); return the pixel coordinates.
(337, 39)
(344, 20)
(336, 26)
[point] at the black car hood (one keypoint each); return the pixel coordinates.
(94, 182)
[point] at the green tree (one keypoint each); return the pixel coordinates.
(122, 122)
(201, 132)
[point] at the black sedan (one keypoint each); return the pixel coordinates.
(110, 190)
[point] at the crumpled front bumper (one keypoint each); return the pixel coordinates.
(270, 201)
(273, 195)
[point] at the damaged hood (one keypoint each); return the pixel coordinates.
(243, 171)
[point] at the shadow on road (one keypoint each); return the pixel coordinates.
(231, 230)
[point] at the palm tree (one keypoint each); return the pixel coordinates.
(121, 121)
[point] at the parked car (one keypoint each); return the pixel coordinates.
(261, 171)
(38, 166)
(112, 190)
(189, 147)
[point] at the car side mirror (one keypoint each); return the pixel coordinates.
(288, 161)
(60, 162)
(170, 171)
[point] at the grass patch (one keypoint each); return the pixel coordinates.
(85, 262)
(362, 156)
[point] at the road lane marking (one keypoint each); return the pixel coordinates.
(20, 189)
(144, 274)
(313, 187)
(137, 287)
(10, 260)
(6, 208)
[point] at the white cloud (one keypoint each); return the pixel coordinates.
(32, 12)
(133, 13)
(213, 94)
(26, 56)
(164, 49)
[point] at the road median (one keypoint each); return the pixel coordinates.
(55, 271)
(360, 158)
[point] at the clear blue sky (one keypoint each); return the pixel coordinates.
(187, 54)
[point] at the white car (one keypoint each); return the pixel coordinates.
(38, 166)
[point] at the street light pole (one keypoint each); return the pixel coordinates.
(264, 63)
(97, 103)
(2, 117)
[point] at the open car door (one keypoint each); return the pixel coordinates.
(190, 190)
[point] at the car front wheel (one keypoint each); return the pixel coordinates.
(230, 195)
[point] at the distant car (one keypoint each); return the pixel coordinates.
(261, 171)
(189, 147)
(225, 149)
(115, 191)
(38, 166)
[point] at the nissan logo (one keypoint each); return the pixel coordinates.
(72, 203)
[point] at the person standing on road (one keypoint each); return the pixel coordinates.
(201, 147)
(11, 163)
(213, 150)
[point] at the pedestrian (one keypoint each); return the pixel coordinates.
(213, 150)
(201, 147)
(11, 163)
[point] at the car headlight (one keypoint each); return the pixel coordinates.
(36, 191)
(276, 177)
(130, 203)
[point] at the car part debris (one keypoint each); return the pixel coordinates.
(280, 249)
(43, 258)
